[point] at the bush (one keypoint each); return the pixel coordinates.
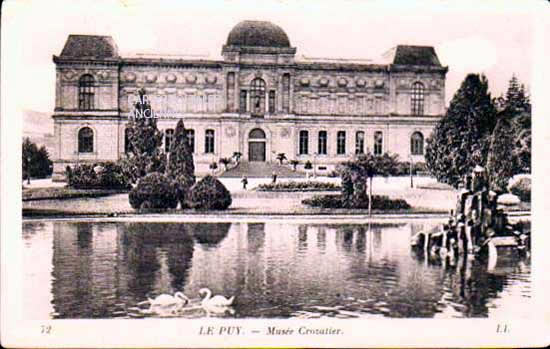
(522, 189)
(102, 175)
(297, 186)
(209, 194)
(154, 191)
(379, 202)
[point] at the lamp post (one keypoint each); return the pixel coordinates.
(411, 169)
(314, 173)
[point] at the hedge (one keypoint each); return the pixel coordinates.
(379, 202)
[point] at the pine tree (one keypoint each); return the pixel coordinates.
(145, 139)
(516, 99)
(502, 163)
(180, 163)
(461, 138)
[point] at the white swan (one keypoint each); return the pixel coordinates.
(166, 302)
(216, 301)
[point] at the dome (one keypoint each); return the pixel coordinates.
(257, 33)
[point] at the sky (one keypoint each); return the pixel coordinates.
(495, 38)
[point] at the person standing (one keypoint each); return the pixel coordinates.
(244, 181)
(274, 177)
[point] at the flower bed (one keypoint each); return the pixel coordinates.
(379, 202)
(299, 186)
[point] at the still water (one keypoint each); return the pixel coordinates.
(274, 270)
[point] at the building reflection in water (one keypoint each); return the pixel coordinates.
(274, 270)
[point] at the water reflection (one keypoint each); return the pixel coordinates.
(273, 269)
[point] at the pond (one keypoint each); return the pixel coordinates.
(275, 269)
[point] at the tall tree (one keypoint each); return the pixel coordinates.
(516, 99)
(145, 155)
(36, 161)
(180, 163)
(502, 163)
(461, 138)
(516, 107)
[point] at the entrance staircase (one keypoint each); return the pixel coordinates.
(260, 169)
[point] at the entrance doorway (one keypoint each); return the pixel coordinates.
(256, 145)
(256, 151)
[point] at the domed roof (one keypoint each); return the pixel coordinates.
(257, 33)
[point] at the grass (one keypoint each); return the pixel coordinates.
(63, 193)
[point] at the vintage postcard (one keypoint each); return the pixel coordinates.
(274, 173)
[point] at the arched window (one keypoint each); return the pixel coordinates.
(85, 140)
(168, 137)
(191, 139)
(86, 91)
(257, 96)
(341, 142)
(417, 144)
(417, 99)
(322, 146)
(359, 142)
(127, 141)
(304, 142)
(257, 133)
(209, 141)
(378, 142)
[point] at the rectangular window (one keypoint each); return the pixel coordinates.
(191, 139)
(304, 142)
(378, 143)
(359, 142)
(322, 148)
(243, 101)
(286, 93)
(209, 142)
(341, 142)
(271, 102)
(230, 91)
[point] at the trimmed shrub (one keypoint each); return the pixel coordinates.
(379, 202)
(209, 194)
(297, 186)
(522, 189)
(103, 175)
(154, 191)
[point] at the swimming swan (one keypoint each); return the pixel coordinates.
(166, 301)
(216, 301)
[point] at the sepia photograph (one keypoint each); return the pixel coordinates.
(278, 173)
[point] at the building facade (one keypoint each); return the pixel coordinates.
(259, 100)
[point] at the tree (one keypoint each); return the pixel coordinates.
(517, 108)
(356, 172)
(237, 156)
(181, 167)
(213, 166)
(281, 157)
(516, 98)
(294, 163)
(461, 138)
(35, 161)
(210, 194)
(502, 164)
(225, 162)
(145, 155)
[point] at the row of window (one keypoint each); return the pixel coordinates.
(255, 105)
(417, 143)
(86, 141)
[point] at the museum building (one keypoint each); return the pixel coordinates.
(259, 100)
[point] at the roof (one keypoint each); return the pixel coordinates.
(415, 55)
(257, 33)
(96, 46)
